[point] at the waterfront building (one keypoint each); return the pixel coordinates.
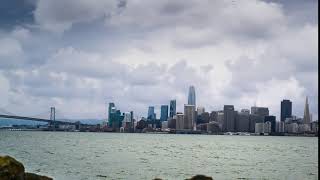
(164, 125)
(200, 110)
(306, 115)
(189, 117)
(164, 113)
(220, 119)
(253, 119)
(192, 96)
(291, 128)
(286, 109)
(267, 127)
(213, 127)
(173, 108)
(172, 122)
(314, 126)
(260, 111)
(116, 119)
(127, 120)
(213, 116)
(272, 120)
(259, 128)
(302, 128)
(281, 127)
(179, 121)
(229, 118)
(203, 118)
(242, 122)
(151, 114)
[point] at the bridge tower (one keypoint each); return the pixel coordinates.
(53, 117)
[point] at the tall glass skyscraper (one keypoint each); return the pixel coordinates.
(151, 114)
(111, 109)
(164, 113)
(173, 106)
(286, 109)
(192, 96)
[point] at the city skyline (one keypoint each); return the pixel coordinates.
(79, 59)
(285, 111)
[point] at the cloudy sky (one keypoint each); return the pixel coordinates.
(78, 55)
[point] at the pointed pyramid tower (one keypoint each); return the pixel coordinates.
(306, 115)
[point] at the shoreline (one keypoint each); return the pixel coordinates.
(189, 133)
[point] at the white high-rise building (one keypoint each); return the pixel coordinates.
(179, 121)
(189, 117)
(192, 96)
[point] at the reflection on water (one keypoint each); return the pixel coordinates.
(64, 155)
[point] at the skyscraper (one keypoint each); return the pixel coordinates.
(151, 114)
(192, 96)
(272, 120)
(306, 115)
(229, 118)
(242, 123)
(179, 121)
(111, 109)
(173, 108)
(164, 113)
(111, 105)
(189, 116)
(286, 109)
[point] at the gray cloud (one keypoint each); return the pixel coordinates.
(141, 53)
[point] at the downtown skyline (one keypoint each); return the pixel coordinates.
(79, 59)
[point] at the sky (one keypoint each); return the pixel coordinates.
(79, 55)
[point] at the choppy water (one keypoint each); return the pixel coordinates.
(64, 155)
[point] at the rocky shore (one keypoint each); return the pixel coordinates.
(11, 169)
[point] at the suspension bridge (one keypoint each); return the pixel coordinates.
(51, 119)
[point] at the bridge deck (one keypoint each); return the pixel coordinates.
(34, 119)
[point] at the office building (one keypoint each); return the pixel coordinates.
(306, 115)
(172, 122)
(267, 127)
(286, 109)
(164, 113)
(213, 116)
(116, 119)
(192, 96)
(220, 118)
(242, 122)
(203, 118)
(260, 111)
(111, 109)
(272, 120)
(253, 119)
(179, 121)
(173, 108)
(189, 117)
(151, 114)
(127, 120)
(229, 118)
(259, 128)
